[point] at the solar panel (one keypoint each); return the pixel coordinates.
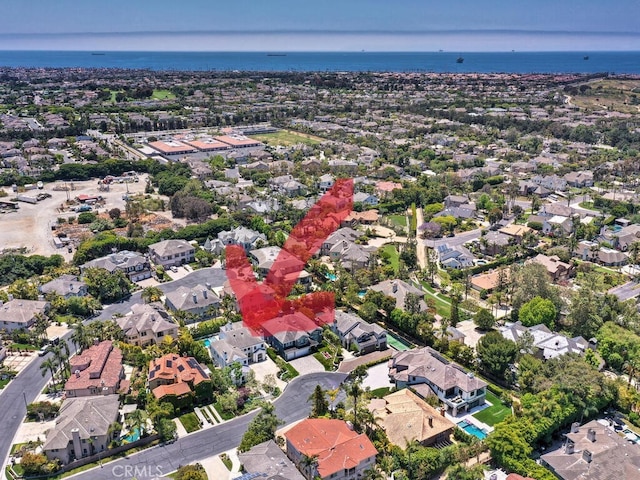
(180, 368)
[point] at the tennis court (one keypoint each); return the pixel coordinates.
(397, 343)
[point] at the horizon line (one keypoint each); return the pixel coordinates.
(328, 31)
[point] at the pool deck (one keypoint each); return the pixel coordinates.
(468, 416)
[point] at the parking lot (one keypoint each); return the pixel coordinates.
(30, 225)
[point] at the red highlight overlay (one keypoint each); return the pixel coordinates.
(264, 306)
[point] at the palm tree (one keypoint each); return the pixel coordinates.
(151, 294)
(80, 336)
(48, 365)
(309, 463)
(136, 419)
(630, 367)
(354, 389)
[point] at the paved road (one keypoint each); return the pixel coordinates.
(626, 291)
(456, 241)
(29, 382)
(290, 407)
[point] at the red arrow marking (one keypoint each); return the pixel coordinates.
(260, 303)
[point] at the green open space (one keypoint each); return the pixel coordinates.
(442, 303)
(286, 138)
(400, 220)
(190, 422)
(496, 413)
(394, 257)
(163, 95)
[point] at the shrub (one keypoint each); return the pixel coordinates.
(86, 217)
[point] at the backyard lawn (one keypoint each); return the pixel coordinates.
(190, 422)
(443, 307)
(394, 256)
(286, 138)
(400, 220)
(496, 413)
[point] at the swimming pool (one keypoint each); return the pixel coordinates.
(133, 436)
(331, 276)
(471, 429)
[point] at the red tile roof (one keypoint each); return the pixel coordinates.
(98, 366)
(336, 445)
(173, 370)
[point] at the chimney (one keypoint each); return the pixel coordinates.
(204, 293)
(195, 298)
(77, 372)
(586, 456)
(569, 448)
(394, 286)
(574, 427)
(430, 421)
(10, 296)
(1, 303)
(153, 318)
(41, 298)
(591, 435)
(442, 411)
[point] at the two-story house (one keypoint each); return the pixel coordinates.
(288, 266)
(66, 286)
(178, 379)
(458, 389)
(293, 335)
(97, 370)
(19, 314)
(356, 334)
(170, 253)
(198, 302)
(146, 325)
(83, 428)
(239, 344)
(134, 265)
(340, 453)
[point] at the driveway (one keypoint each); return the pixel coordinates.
(306, 365)
(266, 367)
(472, 335)
(378, 377)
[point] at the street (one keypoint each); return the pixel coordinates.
(292, 405)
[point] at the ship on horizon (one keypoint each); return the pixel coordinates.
(459, 60)
(276, 54)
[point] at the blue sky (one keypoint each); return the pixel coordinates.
(322, 24)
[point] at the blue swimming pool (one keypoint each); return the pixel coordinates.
(206, 342)
(331, 276)
(133, 436)
(471, 429)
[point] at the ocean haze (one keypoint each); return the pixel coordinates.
(328, 41)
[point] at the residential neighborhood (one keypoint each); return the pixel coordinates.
(337, 275)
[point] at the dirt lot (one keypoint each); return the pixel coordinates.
(30, 225)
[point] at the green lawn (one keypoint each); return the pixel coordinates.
(286, 138)
(162, 95)
(379, 392)
(443, 305)
(223, 414)
(3, 383)
(394, 256)
(23, 346)
(496, 413)
(190, 422)
(400, 220)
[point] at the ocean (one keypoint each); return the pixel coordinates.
(440, 62)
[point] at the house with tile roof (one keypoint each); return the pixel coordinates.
(21, 314)
(134, 265)
(400, 290)
(356, 334)
(170, 253)
(405, 418)
(594, 451)
(199, 301)
(237, 343)
(457, 388)
(66, 286)
(178, 380)
(82, 428)
(293, 335)
(341, 453)
(267, 461)
(546, 344)
(147, 325)
(97, 370)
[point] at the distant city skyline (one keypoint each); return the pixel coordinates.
(326, 25)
